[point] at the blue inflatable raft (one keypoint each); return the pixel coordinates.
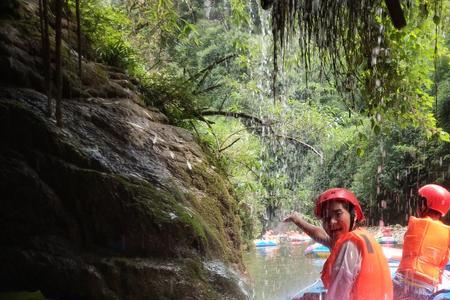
(317, 250)
(265, 243)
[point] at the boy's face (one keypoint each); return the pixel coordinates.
(335, 219)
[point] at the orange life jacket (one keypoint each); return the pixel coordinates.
(374, 279)
(425, 250)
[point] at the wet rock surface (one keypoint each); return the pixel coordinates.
(111, 184)
(116, 204)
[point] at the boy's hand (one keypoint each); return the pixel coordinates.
(293, 217)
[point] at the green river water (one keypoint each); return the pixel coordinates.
(278, 273)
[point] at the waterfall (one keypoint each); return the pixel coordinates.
(207, 5)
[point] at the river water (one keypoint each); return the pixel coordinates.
(278, 273)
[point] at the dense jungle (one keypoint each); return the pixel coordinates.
(146, 144)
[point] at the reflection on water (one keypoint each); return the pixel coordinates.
(278, 273)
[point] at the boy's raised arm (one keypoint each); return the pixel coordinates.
(317, 233)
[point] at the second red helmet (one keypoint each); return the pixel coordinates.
(338, 194)
(438, 198)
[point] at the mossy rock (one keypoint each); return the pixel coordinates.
(22, 296)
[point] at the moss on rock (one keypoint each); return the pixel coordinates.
(74, 206)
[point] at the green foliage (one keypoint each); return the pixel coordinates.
(122, 35)
(116, 53)
(158, 26)
(385, 72)
(368, 127)
(107, 28)
(238, 151)
(239, 12)
(175, 95)
(397, 86)
(444, 104)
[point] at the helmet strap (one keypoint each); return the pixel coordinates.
(351, 210)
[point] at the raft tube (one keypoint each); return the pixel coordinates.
(317, 250)
(386, 240)
(265, 243)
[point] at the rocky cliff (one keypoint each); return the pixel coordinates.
(117, 203)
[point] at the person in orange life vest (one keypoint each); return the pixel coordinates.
(425, 246)
(356, 268)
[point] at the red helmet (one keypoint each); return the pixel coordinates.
(438, 198)
(338, 194)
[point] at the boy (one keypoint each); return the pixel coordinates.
(425, 247)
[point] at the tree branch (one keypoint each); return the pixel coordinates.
(261, 123)
(249, 168)
(234, 133)
(295, 140)
(232, 143)
(210, 67)
(232, 114)
(208, 89)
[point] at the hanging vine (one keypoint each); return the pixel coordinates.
(370, 47)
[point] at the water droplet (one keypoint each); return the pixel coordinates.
(376, 51)
(374, 61)
(378, 116)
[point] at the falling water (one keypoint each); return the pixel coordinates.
(207, 6)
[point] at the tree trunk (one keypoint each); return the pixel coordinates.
(77, 5)
(41, 22)
(58, 60)
(46, 54)
(396, 12)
